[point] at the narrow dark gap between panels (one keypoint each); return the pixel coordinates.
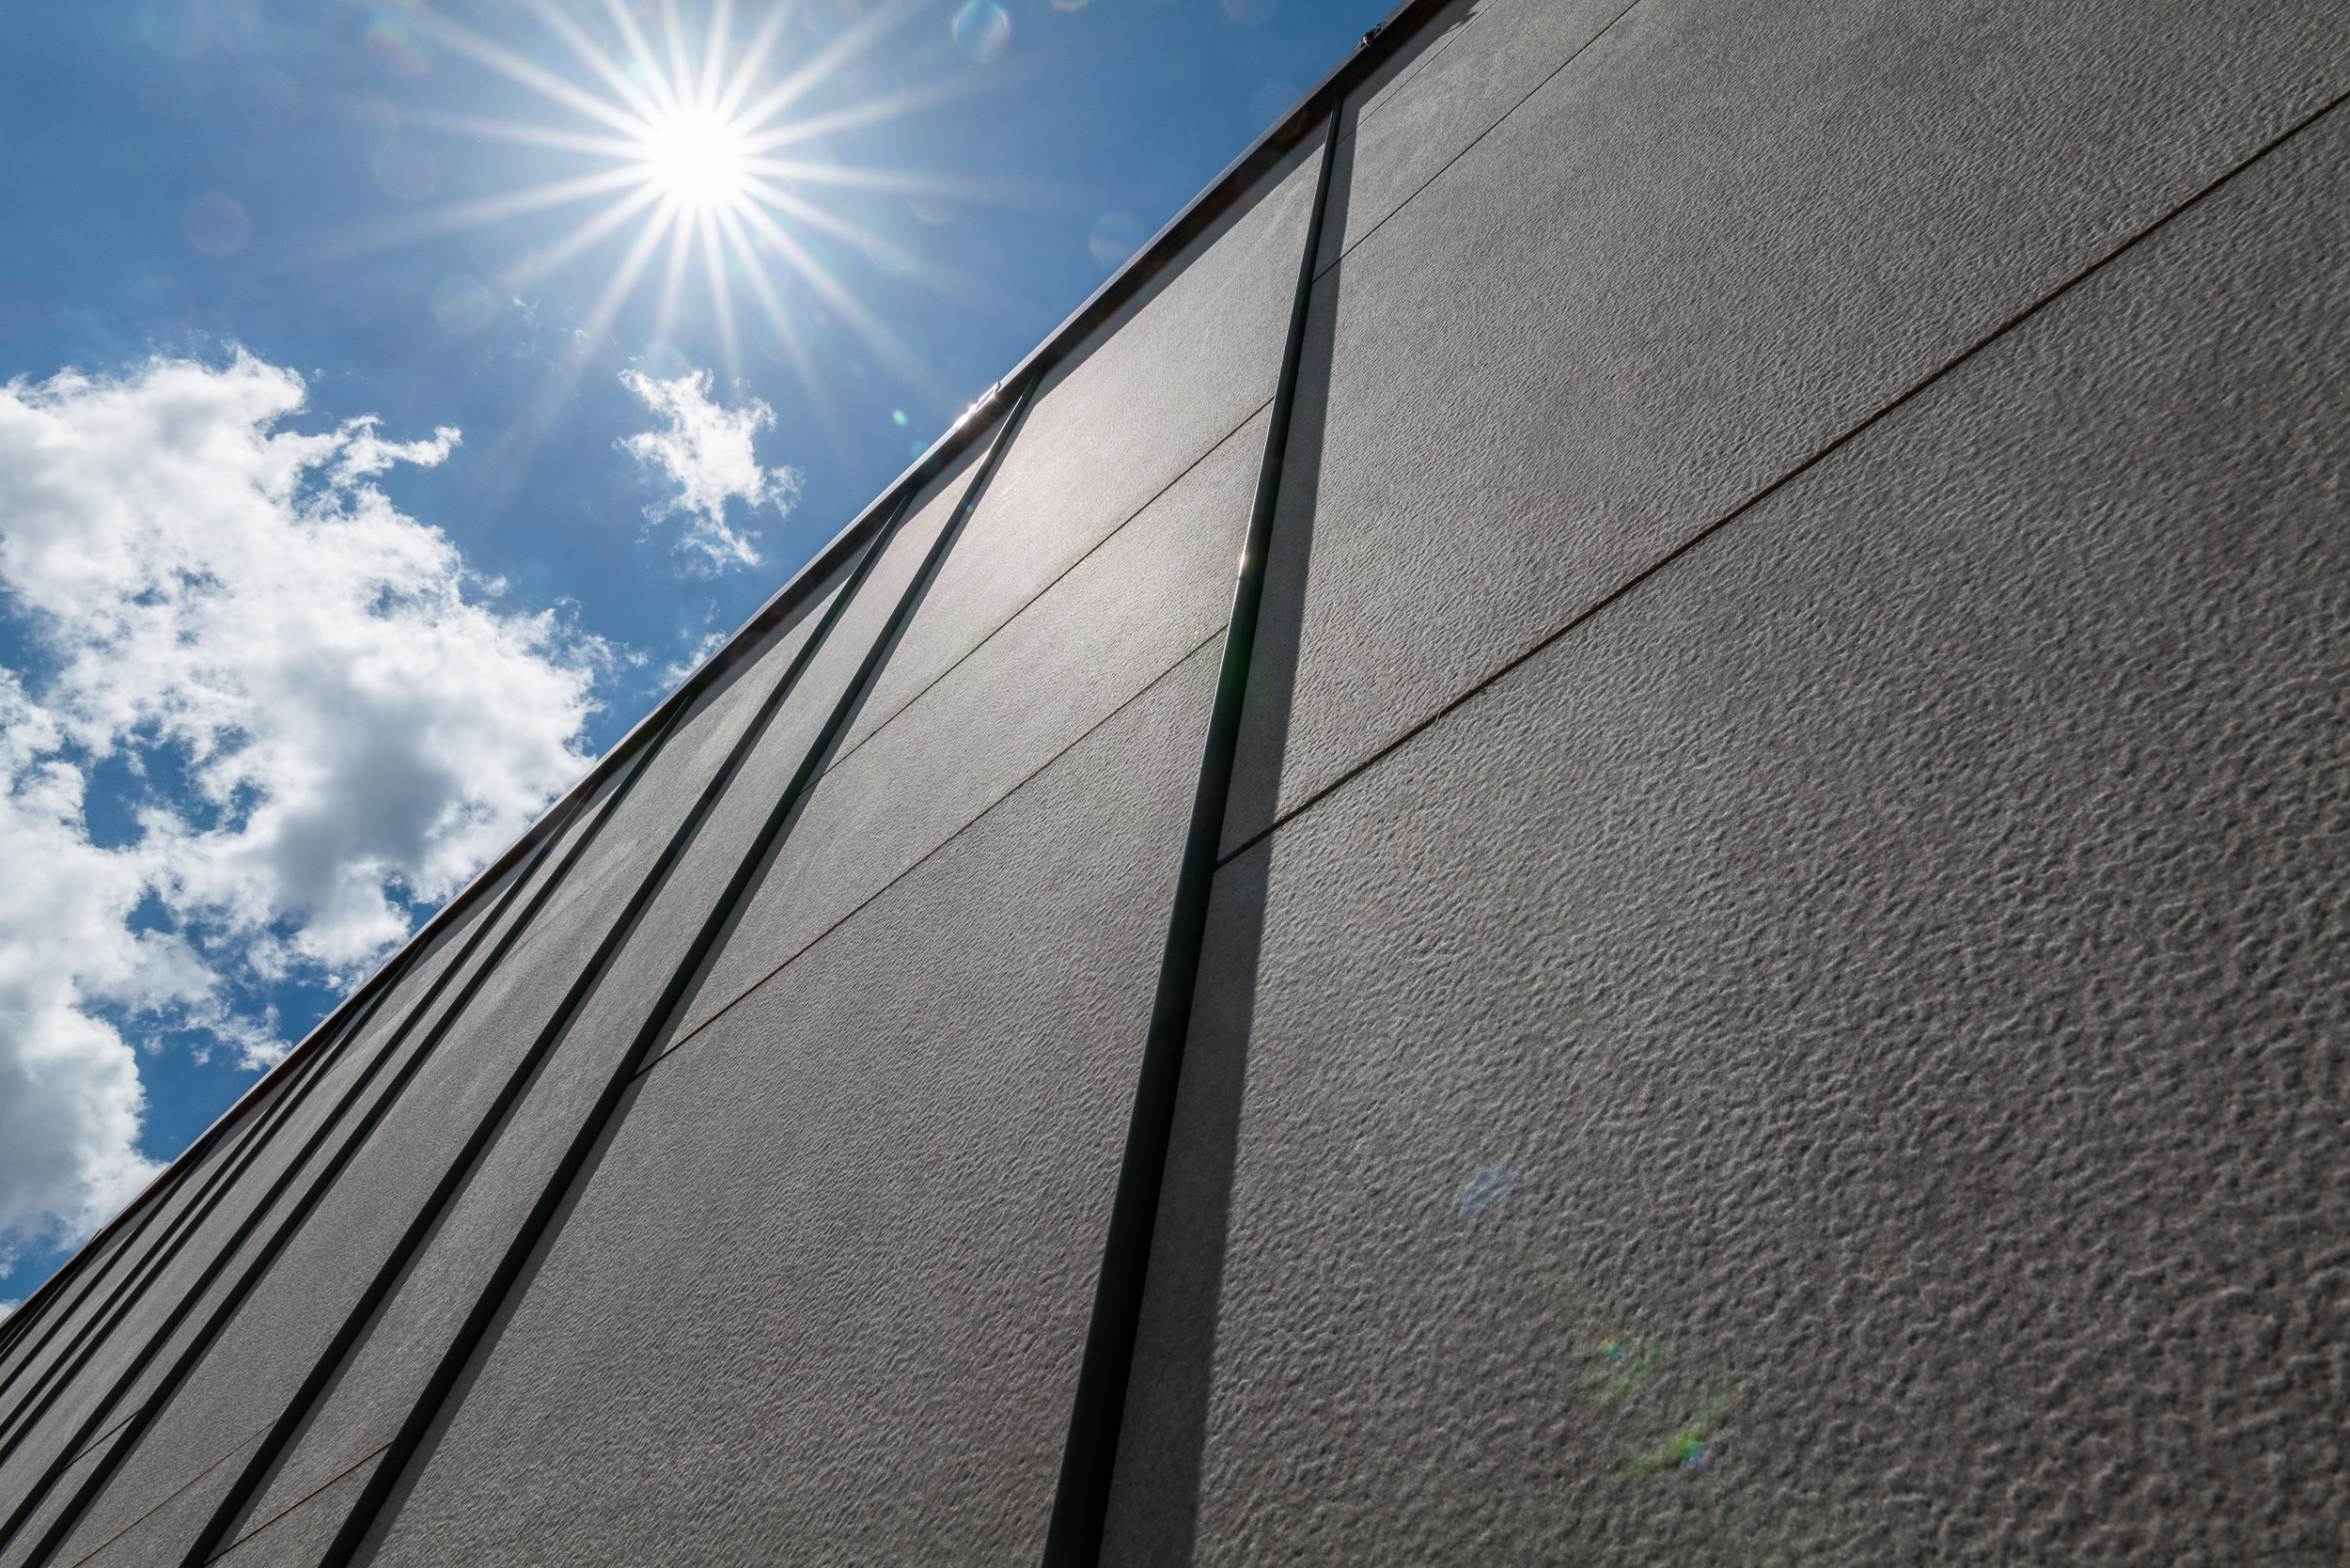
(261, 1120)
(1401, 23)
(582, 796)
(268, 1251)
(95, 1254)
(55, 1309)
(140, 1272)
(1088, 1455)
(47, 1304)
(1828, 449)
(277, 1106)
(1519, 102)
(100, 1328)
(169, 1499)
(360, 1529)
(299, 1503)
(106, 1436)
(126, 1256)
(673, 1046)
(294, 1418)
(1091, 551)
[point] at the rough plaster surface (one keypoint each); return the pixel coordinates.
(1722, 237)
(1840, 1057)
(1118, 620)
(1816, 1044)
(824, 1295)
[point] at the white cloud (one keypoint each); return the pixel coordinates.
(706, 452)
(675, 673)
(357, 722)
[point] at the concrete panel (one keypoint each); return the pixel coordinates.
(386, 1376)
(269, 1346)
(389, 1370)
(159, 1538)
(1165, 380)
(1839, 1057)
(769, 773)
(687, 760)
(112, 1266)
(1144, 601)
(1466, 72)
(266, 1349)
(102, 1254)
(1719, 240)
(117, 1287)
(141, 1315)
(824, 1297)
(1406, 60)
(19, 1550)
(298, 1538)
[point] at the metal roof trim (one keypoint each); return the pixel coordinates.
(1303, 119)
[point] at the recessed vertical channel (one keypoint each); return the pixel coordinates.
(137, 1275)
(263, 1462)
(265, 1253)
(1081, 1500)
(360, 1526)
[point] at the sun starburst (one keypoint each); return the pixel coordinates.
(704, 144)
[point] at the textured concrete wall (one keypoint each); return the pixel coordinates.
(1776, 988)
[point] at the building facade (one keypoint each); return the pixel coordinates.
(1729, 945)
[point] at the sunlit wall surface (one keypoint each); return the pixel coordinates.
(1772, 989)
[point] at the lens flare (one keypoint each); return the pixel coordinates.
(707, 163)
(982, 30)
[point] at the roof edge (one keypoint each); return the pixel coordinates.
(1303, 119)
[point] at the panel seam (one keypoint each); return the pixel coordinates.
(203, 1198)
(1885, 411)
(312, 1494)
(1411, 70)
(127, 1296)
(1081, 1495)
(977, 817)
(491, 1124)
(541, 1225)
(1091, 551)
(172, 1497)
(1446, 168)
(265, 1254)
(100, 1268)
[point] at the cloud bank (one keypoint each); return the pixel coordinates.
(325, 716)
(706, 452)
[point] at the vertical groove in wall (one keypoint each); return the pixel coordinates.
(132, 1284)
(1081, 1499)
(95, 1423)
(360, 1524)
(1147, 264)
(134, 1275)
(292, 1420)
(124, 1300)
(39, 1400)
(20, 1326)
(268, 1098)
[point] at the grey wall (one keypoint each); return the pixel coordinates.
(1775, 988)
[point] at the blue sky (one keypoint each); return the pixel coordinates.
(353, 495)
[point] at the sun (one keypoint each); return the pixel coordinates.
(700, 161)
(702, 158)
